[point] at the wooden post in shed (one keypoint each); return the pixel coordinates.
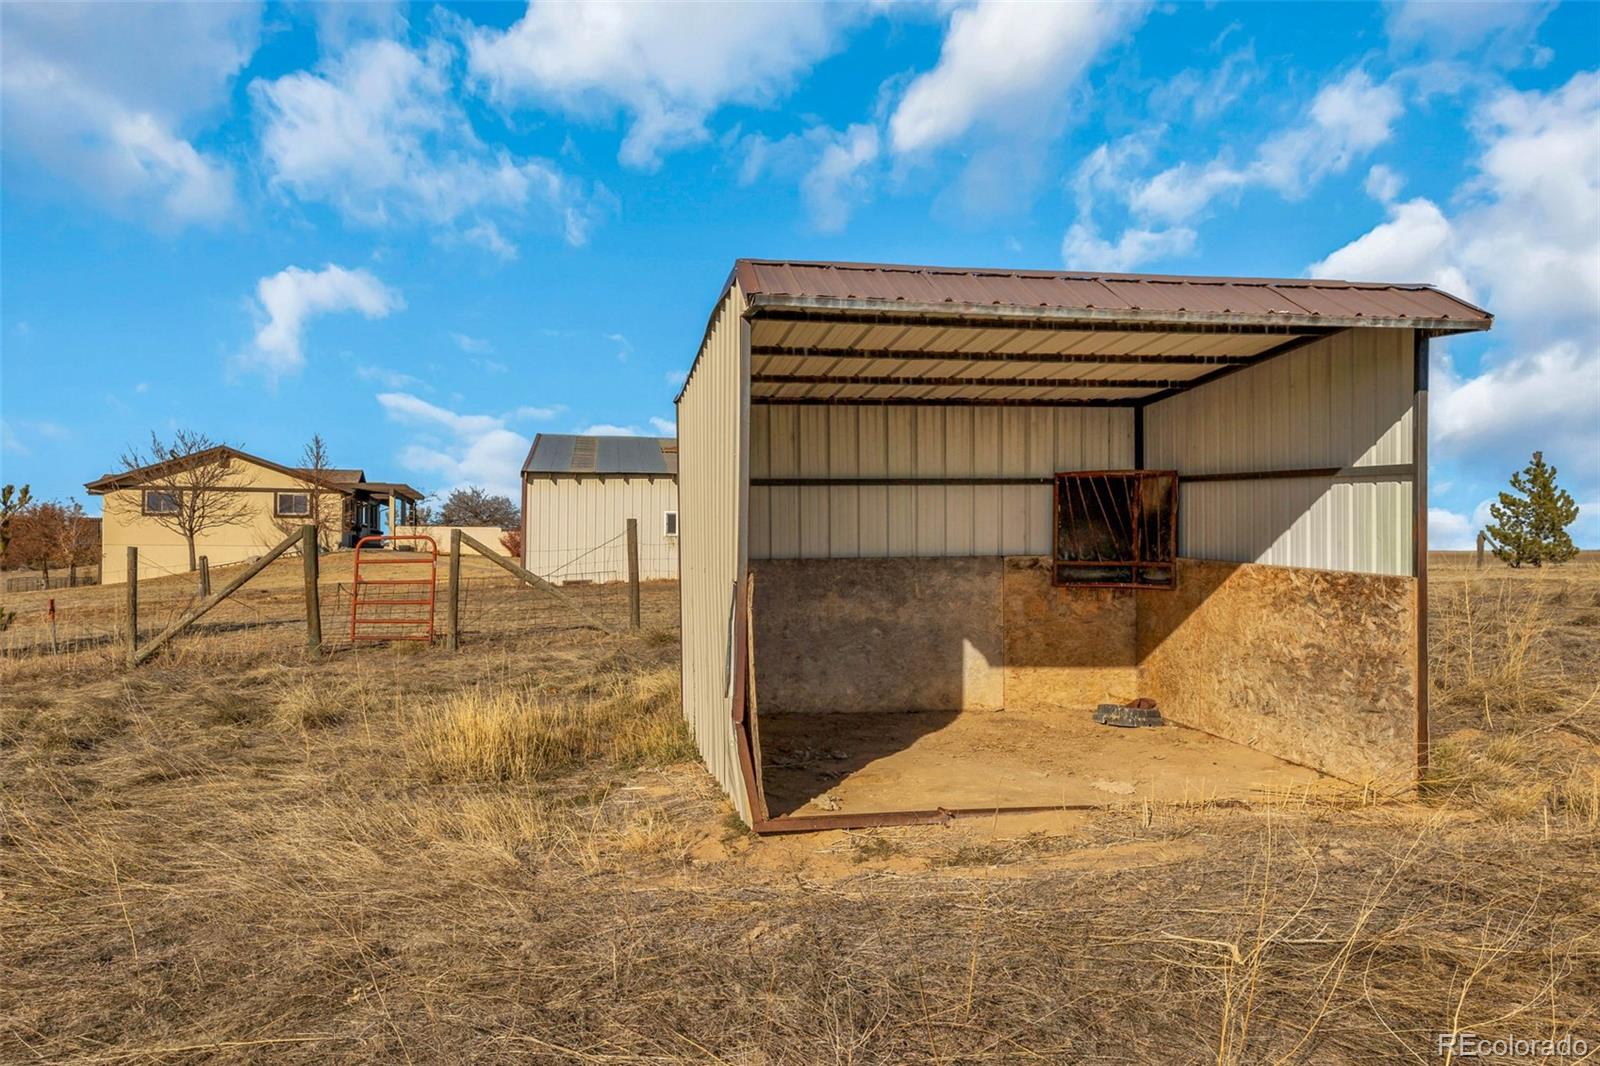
(454, 609)
(633, 573)
(133, 602)
(205, 577)
(308, 552)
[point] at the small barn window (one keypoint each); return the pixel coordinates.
(157, 502)
(1116, 529)
(670, 523)
(293, 505)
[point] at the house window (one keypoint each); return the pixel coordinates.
(670, 525)
(158, 502)
(1117, 529)
(293, 505)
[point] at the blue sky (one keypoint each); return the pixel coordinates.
(429, 231)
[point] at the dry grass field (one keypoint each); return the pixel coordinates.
(241, 854)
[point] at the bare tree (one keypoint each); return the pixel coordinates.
(193, 483)
(325, 507)
(77, 539)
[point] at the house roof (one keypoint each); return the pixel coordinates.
(340, 479)
(1094, 294)
(571, 454)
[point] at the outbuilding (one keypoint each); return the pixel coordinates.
(578, 492)
(933, 518)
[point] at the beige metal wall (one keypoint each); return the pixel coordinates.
(576, 527)
(805, 522)
(1342, 402)
(712, 470)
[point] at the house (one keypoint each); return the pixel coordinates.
(578, 493)
(932, 518)
(253, 503)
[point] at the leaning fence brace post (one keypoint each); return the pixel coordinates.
(195, 613)
(633, 573)
(308, 550)
(533, 579)
(133, 604)
(454, 607)
(205, 577)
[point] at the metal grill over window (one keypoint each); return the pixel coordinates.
(1116, 529)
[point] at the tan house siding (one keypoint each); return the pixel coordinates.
(163, 550)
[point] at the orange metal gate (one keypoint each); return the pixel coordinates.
(393, 602)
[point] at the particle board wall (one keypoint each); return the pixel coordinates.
(1343, 402)
(867, 521)
(1066, 649)
(851, 635)
(948, 634)
(1317, 667)
(712, 475)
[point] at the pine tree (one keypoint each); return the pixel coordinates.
(1530, 522)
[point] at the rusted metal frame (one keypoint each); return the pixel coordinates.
(814, 823)
(1068, 320)
(1342, 473)
(772, 351)
(394, 558)
(1419, 535)
(850, 482)
(1216, 375)
(1136, 478)
(905, 401)
(913, 380)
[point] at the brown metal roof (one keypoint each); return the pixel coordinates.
(1124, 297)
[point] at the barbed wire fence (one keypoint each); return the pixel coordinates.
(269, 612)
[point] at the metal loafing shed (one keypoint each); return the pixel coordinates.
(907, 496)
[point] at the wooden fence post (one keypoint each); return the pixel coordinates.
(633, 573)
(454, 608)
(1482, 536)
(205, 577)
(133, 603)
(308, 550)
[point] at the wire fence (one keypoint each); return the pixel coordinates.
(62, 579)
(269, 611)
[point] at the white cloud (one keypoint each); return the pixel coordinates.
(471, 344)
(379, 135)
(676, 377)
(831, 187)
(1526, 236)
(287, 300)
(1415, 245)
(1083, 249)
(667, 427)
(668, 67)
(1005, 65)
(831, 167)
(1347, 119)
(538, 414)
(1505, 31)
(108, 97)
(606, 429)
(1451, 531)
(1383, 184)
(458, 449)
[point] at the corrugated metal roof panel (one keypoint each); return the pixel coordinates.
(1137, 294)
(566, 453)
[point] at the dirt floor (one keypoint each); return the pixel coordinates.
(866, 762)
(243, 853)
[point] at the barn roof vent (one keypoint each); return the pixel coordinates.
(584, 452)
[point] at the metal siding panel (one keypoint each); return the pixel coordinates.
(712, 457)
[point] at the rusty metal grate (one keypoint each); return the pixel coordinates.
(1116, 529)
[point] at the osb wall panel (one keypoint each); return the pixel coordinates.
(1314, 666)
(1066, 649)
(843, 635)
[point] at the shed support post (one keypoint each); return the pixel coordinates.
(205, 577)
(453, 611)
(1419, 535)
(633, 573)
(308, 551)
(133, 603)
